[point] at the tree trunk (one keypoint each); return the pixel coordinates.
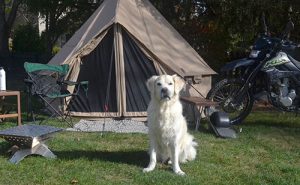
(47, 35)
(6, 22)
(51, 35)
(4, 50)
(3, 31)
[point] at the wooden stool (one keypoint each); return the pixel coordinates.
(18, 114)
(200, 103)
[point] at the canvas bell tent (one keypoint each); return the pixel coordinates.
(117, 49)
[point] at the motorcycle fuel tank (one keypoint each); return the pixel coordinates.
(281, 58)
(236, 64)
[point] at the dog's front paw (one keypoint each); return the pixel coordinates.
(179, 172)
(146, 170)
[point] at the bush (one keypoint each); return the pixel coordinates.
(55, 49)
(26, 39)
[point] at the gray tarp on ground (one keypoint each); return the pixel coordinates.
(141, 40)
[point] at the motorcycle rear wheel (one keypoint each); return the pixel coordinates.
(224, 93)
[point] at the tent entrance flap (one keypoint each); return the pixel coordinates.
(98, 68)
(138, 68)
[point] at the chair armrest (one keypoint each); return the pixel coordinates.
(84, 82)
(69, 82)
(74, 83)
(28, 81)
(85, 85)
(78, 85)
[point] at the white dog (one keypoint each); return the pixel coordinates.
(168, 134)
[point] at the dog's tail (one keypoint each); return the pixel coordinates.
(189, 151)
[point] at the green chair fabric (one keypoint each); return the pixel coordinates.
(33, 67)
(49, 84)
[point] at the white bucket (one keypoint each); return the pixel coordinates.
(2, 79)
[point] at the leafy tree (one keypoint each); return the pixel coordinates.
(8, 12)
(221, 30)
(26, 39)
(61, 17)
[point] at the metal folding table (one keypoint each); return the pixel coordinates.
(30, 139)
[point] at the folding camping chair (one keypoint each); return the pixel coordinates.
(48, 83)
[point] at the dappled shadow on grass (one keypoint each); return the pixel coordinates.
(272, 124)
(274, 119)
(137, 158)
(4, 147)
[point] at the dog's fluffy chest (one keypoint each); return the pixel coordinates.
(166, 114)
(165, 121)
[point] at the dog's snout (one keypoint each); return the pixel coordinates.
(164, 90)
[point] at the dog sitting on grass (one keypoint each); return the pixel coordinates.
(169, 139)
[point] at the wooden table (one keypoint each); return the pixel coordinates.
(200, 103)
(18, 114)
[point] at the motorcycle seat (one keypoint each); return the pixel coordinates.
(294, 61)
(292, 51)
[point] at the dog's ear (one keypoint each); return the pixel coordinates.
(150, 83)
(178, 83)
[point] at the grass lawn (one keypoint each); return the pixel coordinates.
(266, 152)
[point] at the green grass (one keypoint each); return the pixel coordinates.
(267, 151)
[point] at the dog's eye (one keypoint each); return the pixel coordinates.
(170, 83)
(159, 84)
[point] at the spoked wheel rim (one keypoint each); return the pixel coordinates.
(225, 95)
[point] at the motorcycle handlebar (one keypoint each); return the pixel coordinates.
(277, 47)
(288, 28)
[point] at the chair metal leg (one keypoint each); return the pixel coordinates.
(60, 114)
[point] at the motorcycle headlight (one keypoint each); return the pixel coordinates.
(254, 54)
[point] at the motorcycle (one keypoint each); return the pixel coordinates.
(271, 72)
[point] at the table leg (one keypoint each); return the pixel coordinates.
(198, 120)
(195, 117)
(19, 109)
(40, 149)
(197, 124)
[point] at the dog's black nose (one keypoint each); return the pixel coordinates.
(164, 90)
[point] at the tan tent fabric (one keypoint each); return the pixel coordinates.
(143, 21)
(121, 96)
(153, 35)
(103, 17)
(157, 63)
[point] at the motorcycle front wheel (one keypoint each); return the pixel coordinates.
(224, 93)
